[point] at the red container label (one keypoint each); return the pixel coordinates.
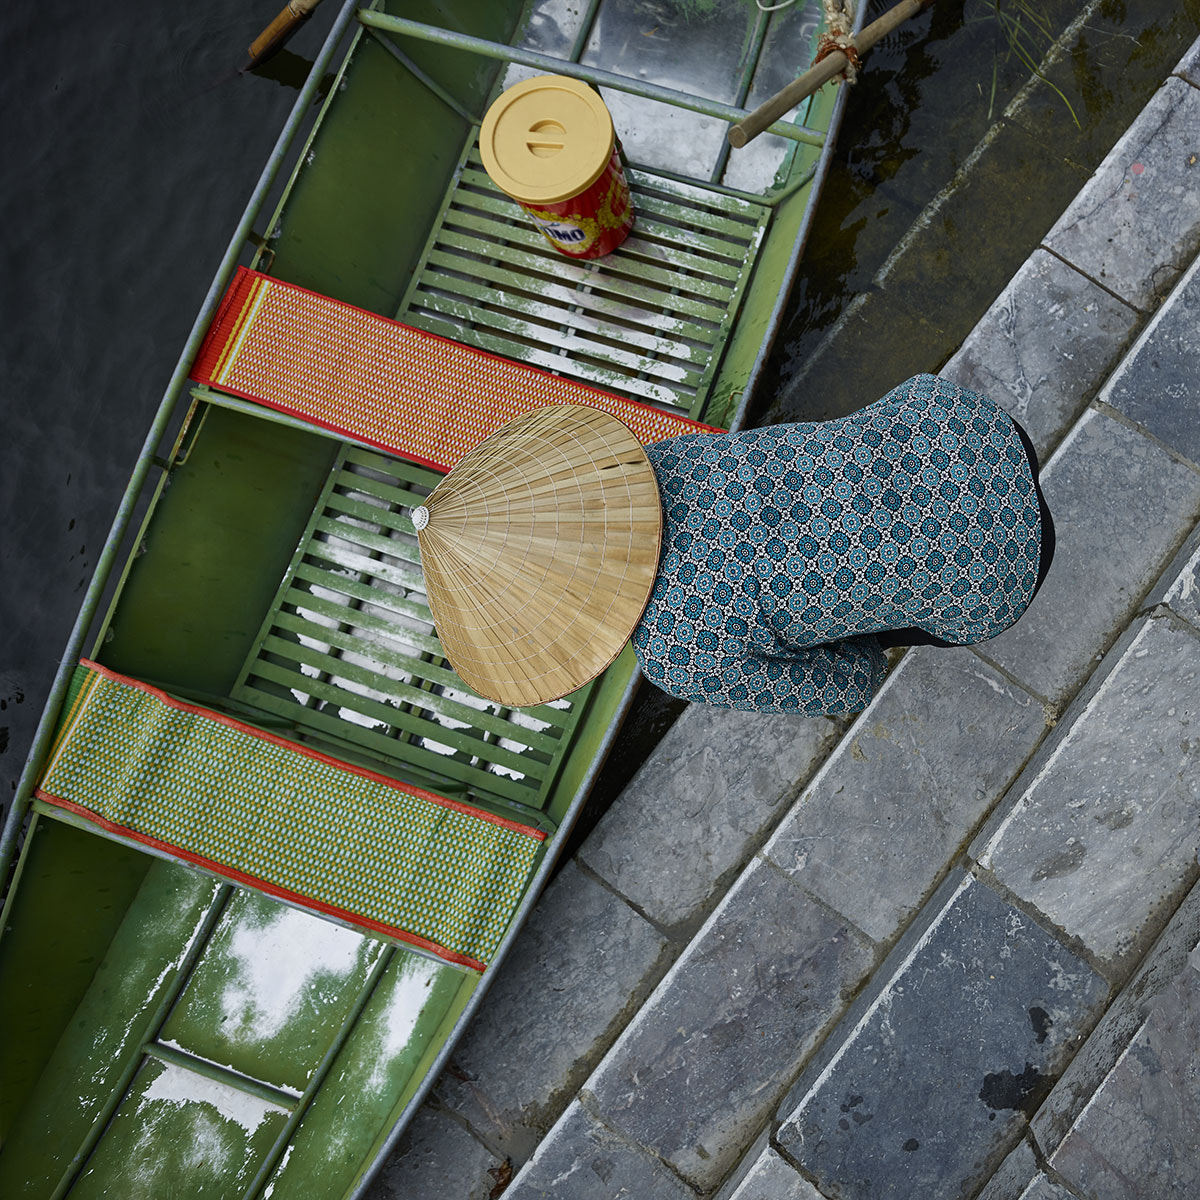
(593, 223)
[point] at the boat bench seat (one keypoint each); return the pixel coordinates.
(411, 393)
(287, 820)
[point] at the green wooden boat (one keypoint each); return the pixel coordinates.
(168, 1030)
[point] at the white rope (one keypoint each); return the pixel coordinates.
(839, 16)
(839, 21)
(773, 7)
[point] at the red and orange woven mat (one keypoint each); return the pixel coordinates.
(286, 819)
(403, 390)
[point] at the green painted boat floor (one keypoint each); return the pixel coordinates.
(348, 650)
(219, 1024)
(348, 653)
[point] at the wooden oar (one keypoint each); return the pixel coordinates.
(832, 64)
(273, 37)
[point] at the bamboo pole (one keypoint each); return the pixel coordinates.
(292, 16)
(832, 64)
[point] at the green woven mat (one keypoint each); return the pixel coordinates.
(295, 823)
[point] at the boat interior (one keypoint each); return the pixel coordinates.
(168, 1023)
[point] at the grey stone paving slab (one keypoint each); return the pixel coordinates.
(1121, 505)
(1044, 347)
(1013, 1176)
(1189, 64)
(773, 1178)
(705, 1062)
(1140, 1137)
(1158, 384)
(1136, 225)
(889, 810)
(437, 1159)
(1044, 1188)
(1103, 837)
(1179, 587)
(749, 1161)
(583, 963)
(925, 1093)
(582, 1160)
(1118, 1027)
(701, 805)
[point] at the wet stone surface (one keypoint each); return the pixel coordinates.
(772, 1178)
(584, 961)
(1044, 347)
(1121, 1023)
(886, 813)
(1182, 591)
(1138, 1137)
(1013, 1175)
(759, 1148)
(701, 804)
(1189, 65)
(1137, 223)
(585, 1161)
(1042, 1187)
(1104, 837)
(932, 1085)
(437, 1159)
(1158, 385)
(1120, 504)
(695, 1076)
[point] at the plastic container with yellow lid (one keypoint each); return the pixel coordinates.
(548, 142)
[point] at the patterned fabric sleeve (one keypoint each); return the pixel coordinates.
(837, 677)
(787, 549)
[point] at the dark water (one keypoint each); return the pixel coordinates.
(930, 97)
(130, 146)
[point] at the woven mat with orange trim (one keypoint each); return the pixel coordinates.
(285, 819)
(406, 391)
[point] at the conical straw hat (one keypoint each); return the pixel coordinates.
(540, 549)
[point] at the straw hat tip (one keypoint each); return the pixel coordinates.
(420, 518)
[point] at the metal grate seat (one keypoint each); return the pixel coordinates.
(648, 321)
(348, 651)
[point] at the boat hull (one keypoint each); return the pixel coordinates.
(180, 1008)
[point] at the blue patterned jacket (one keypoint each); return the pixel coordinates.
(785, 548)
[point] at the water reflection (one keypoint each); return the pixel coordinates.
(290, 70)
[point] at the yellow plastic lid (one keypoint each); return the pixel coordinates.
(546, 139)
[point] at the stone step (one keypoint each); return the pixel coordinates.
(1142, 1122)
(976, 1009)
(1088, 854)
(979, 1007)
(1122, 1120)
(931, 1078)
(700, 955)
